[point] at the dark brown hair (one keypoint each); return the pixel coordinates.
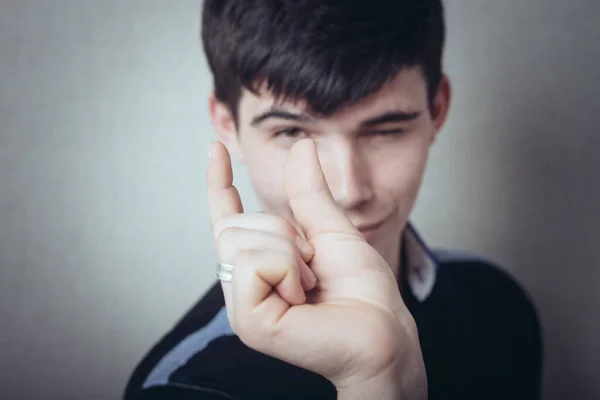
(330, 53)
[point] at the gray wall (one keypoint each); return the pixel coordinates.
(104, 239)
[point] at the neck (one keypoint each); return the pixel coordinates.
(393, 256)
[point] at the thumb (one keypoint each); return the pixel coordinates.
(309, 197)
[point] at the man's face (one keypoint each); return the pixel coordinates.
(373, 154)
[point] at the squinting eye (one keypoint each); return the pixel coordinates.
(388, 132)
(290, 132)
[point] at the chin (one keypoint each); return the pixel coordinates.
(385, 240)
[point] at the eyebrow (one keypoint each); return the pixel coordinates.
(281, 114)
(388, 117)
(394, 116)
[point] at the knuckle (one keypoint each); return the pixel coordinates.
(247, 258)
(225, 239)
(221, 224)
(268, 263)
(229, 233)
(257, 221)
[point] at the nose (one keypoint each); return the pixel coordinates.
(347, 173)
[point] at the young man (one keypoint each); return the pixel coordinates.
(333, 105)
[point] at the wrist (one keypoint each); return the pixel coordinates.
(394, 383)
(384, 386)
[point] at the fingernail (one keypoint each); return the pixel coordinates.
(211, 151)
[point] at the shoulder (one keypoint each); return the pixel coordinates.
(491, 321)
(472, 275)
(480, 289)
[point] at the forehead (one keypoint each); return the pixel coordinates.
(406, 92)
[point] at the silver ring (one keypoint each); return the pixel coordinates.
(224, 272)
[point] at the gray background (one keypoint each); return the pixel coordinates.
(104, 240)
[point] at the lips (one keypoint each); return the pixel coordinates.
(365, 228)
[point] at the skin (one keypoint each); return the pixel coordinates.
(308, 286)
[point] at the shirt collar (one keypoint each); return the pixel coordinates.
(421, 264)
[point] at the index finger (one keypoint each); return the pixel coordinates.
(223, 197)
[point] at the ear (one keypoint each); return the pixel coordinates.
(225, 126)
(441, 105)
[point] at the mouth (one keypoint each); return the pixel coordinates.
(368, 230)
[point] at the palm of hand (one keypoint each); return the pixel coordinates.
(356, 309)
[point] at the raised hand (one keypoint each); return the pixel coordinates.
(330, 303)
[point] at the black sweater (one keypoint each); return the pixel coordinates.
(478, 330)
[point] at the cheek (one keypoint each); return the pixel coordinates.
(400, 171)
